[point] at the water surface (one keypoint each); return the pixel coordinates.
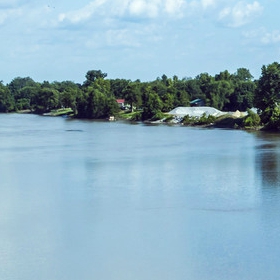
(111, 200)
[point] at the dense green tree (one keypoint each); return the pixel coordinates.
(223, 76)
(7, 102)
(152, 107)
(96, 104)
(132, 94)
(112, 107)
(102, 85)
(268, 91)
(92, 75)
(69, 92)
(222, 91)
(168, 102)
(118, 86)
(206, 83)
(243, 74)
(23, 90)
(46, 100)
(192, 87)
(19, 83)
(243, 96)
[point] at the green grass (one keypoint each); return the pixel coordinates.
(61, 112)
(127, 115)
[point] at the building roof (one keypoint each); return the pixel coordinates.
(196, 111)
(120, 101)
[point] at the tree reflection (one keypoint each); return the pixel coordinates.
(268, 159)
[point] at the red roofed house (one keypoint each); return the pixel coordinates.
(120, 102)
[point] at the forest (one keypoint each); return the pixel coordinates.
(96, 96)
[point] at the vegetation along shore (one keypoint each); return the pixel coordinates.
(98, 97)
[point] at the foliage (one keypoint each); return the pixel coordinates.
(7, 102)
(152, 107)
(96, 97)
(158, 116)
(169, 118)
(132, 94)
(92, 75)
(46, 100)
(203, 120)
(136, 116)
(274, 120)
(268, 89)
(252, 119)
(188, 120)
(268, 94)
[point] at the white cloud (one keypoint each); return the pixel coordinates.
(122, 37)
(174, 6)
(271, 37)
(262, 36)
(208, 3)
(150, 9)
(240, 14)
(82, 14)
(146, 8)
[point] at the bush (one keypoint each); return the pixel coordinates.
(169, 118)
(252, 119)
(188, 120)
(158, 116)
(203, 120)
(136, 117)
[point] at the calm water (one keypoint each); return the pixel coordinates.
(113, 201)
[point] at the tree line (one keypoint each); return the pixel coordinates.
(96, 96)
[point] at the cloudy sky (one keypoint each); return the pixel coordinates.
(136, 39)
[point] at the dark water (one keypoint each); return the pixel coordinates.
(114, 201)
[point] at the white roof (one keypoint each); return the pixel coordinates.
(196, 111)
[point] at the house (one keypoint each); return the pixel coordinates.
(121, 102)
(197, 103)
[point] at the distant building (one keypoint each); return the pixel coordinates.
(197, 103)
(121, 102)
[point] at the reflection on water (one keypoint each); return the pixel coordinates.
(109, 200)
(268, 159)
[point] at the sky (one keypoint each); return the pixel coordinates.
(136, 39)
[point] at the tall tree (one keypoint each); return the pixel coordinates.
(132, 94)
(92, 75)
(268, 91)
(7, 102)
(268, 87)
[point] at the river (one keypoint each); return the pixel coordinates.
(118, 201)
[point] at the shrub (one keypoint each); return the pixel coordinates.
(252, 119)
(169, 118)
(203, 120)
(188, 120)
(158, 116)
(136, 117)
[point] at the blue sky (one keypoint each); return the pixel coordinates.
(136, 39)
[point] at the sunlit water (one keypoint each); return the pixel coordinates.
(114, 201)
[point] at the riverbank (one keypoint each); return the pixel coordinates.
(230, 120)
(225, 120)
